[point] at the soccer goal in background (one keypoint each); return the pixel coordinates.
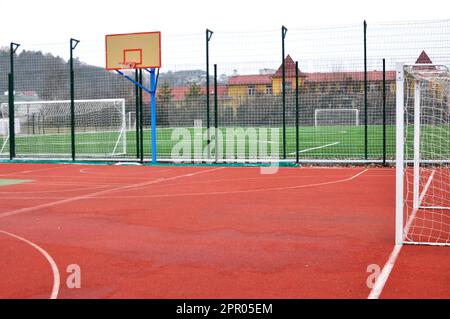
(336, 117)
(423, 154)
(43, 129)
(131, 121)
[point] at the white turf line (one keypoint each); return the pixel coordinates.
(56, 277)
(315, 148)
(117, 189)
(383, 277)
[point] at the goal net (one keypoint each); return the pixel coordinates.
(423, 154)
(336, 117)
(43, 129)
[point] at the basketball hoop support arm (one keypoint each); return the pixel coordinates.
(146, 89)
(152, 92)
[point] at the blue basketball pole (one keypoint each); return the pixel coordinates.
(153, 112)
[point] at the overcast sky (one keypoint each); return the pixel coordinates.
(47, 22)
(58, 19)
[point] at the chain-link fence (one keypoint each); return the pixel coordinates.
(342, 113)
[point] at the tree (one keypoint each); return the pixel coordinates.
(164, 98)
(194, 91)
(165, 93)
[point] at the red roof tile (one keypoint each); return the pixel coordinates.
(348, 76)
(423, 58)
(250, 79)
(289, 69)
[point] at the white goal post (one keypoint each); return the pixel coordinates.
(336, 117)
(131, 121)
(422, 154)
(45, 128)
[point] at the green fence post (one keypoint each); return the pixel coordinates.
(283, 36)
(137, 117)
(366, 133)
(12, 132)
(73, 45)
(384, 112)
(209, 34)
(297, 133)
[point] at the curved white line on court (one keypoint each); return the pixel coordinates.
(204, 193)
(56, 277)
(235, 192)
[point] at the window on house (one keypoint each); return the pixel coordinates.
(251, 90)
(269, 89)
(288, 86)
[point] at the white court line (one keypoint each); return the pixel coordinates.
(76, 198)
(88, 170)
(233, 192)
(315, 148)
(214, 193)
(383, 277)
(56, 277)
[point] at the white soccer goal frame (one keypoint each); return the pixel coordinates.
(402, 228)
(120, 147)
(317, 111)
(131, 125)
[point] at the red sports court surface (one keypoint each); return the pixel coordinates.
(206, 232)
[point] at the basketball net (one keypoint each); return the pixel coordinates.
(128, 65)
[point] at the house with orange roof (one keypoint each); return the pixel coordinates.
(353, 81)
(244, 86)
(249, 85)
(258, 84)
(290, 72)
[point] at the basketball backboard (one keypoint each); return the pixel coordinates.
(133, 50)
